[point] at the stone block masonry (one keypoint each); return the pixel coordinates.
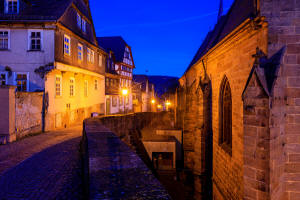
(29, 108)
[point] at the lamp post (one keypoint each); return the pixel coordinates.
(168, 103)
(124, 93)
(152, 107)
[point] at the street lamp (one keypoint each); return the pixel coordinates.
(168, 103)
(153, 102)
(124, 93)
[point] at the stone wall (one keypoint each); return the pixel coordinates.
(29, 107)
(111, 169)
(124, 125)
(7, 114)
(283, 19)
(256, 141)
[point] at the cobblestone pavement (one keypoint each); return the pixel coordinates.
(46, 166)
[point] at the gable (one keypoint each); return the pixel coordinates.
(69, 20)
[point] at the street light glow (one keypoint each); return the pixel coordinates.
(159, 106)
(168, 103)
(124, 92)
(153, 101)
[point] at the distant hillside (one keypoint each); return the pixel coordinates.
(162, 84)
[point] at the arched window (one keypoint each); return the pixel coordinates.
(225, 139)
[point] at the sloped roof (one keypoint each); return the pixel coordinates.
(44, 10)
(116, 44)
(238, 13)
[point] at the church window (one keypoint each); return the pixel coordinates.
(225, 137)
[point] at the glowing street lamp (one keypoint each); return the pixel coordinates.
(153, 101)
(124, 93)
(168, 103)
(159, 106)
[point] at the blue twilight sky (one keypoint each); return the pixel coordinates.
(164, 34)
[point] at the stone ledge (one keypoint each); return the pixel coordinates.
(112, 170)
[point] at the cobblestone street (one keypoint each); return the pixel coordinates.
(46, 166)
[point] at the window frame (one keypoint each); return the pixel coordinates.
(60, 85)
(27, 80)
(8, 39)
(6, 78)
(96, 84)
(72, 79)
(79, 21)
(225, 104)
(30, 40)
(6, 6)
(64, 43)
(83, 25)
(80, 45)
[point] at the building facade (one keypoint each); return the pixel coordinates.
(118, 74)
(51, 46)
(238, 104)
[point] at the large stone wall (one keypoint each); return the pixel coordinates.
(284, 31)
(256, 141)
(124, 125)
(29, 108)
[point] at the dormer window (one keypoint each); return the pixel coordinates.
(78, 21)
(11, 6)
(83, 26)
(81, 23)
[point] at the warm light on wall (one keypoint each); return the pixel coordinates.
(159, 106)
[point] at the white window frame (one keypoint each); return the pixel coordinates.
(79, 20)
(8, 33)
(15, 75)
(72, 79)
(6, 77)
(86, 88)
(96, 84)
(6, 6)
(80, 59)
(60, 85)
(29, 39)
(68, 37)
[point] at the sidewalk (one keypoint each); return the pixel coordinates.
(46, 166)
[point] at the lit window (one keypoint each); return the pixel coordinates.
(83, 25)
(106, 82)
(78, 21)
(3, 78)
(225, 137)
(58, 86)
(90, 55)
(35, 40)
(72, 87)
(96, 84)
(22, 81)
(85, 88)
(67, 45)
(12, 6)
(80, 52)
(4, 39)
(100, 62)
